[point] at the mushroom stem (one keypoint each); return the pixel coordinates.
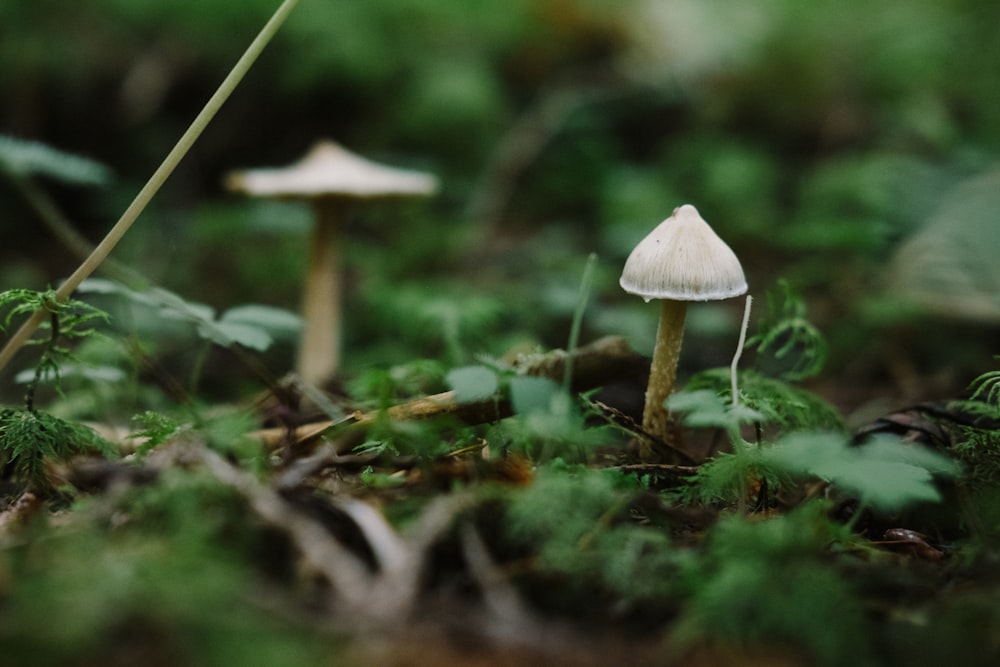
(319, 353)
(663, 373)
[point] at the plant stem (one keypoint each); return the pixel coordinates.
(167, 167)
(29, 393)
(574, 330)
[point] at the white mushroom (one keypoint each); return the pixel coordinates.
(330, 177)
(681, 260)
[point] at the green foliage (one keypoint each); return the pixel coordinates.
(986, 390)
(442, 317)
(847, 205)
(227, 431)
(473, 383)
(224, 430)
(372, 477)
(181, 576)
(156, 429)
(381, 387)
(548, 423)
(770, 583)
(70, 319)
(576, 517)
(29, 437)
(729, 477)
(708, 408)
(763, 399)
(979, 448)
(707, 401)
(501, 105)
(29, 158)
(789, 337)
(253, 326)
(425, 439)
(884, 472)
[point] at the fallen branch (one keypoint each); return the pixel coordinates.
(379, 599)
(602, 362)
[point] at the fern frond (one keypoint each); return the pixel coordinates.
(779, 402)
(986, 389)
(28, 438)
(789, 337)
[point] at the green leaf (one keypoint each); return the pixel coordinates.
(175, 306)
(252, 325)
(102, 286)
(887, 473)
(532, 394)
(276, 321)
(887, 485)
(703, 408)
(472, 383)
(30, 158)
(225, 334)
(101, 374)
(891, 449)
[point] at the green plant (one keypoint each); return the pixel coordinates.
(142, 199)
(577, 519)
(796, 347)
(810, 440)
(885, 472)
(772, 401)
(27, 436)
(774, 583)
(182, 575)
(156, 429)
(252, 326)
(549, 422)
(69, 320)
(20, 159)
(977, 446)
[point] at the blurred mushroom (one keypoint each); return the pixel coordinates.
(948, 266)
(681, 260)
(330, 177)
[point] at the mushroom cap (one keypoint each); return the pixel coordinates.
(684, 260)
(332, 170)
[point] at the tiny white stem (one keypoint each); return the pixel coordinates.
(739, 350)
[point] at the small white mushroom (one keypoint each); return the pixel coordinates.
(330, 177)
(681, 260)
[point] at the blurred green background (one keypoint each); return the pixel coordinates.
(847, 147)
